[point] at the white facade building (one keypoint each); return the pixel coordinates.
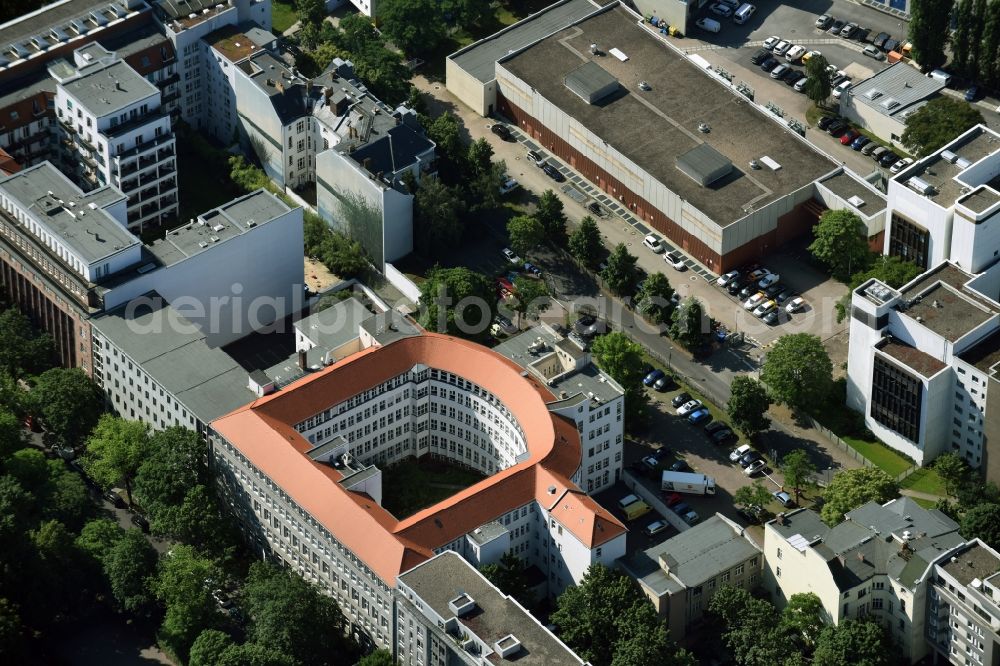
(111, 123)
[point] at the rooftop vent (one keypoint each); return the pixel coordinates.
(889, 103)
(508, 646)
(856, 201)
(920, 185)
(963, 163)
(218, 227)
(618, 54)
(873, 94)
(462, 605)
(949, 156)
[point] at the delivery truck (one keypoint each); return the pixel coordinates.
(688, 482)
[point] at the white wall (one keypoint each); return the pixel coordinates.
(927, 214)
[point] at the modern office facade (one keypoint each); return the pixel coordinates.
(298, 468)
(877, 564)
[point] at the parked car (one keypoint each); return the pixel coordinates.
(688, 407)
(508, 186)
(535, 158)
(736, 286)
(656, 527)
(841, 88)
(715, 426)
(726, 278)
(724, 436)
(589, 326)
(836, 26)
(795, 53)
(680, 399)
(502, 131)
(511, 256)
(114, 496)
(749, 458)
(505, 324)
(553, 173)
(848, 30)
(663, 383)
(782, 47)
(759, 56)
(825, 122)
(972, 94)
(900, 165)
(873, 52)
(653, 243)
(793, 77)
(596, 209)
(860, 142)
(754, 467)
(870, 148)
(771, 41)
(795, 305)
(888, 159)
(140, 521)
(800, 85)
(653, 376)
(848, 137)
(674, 499)
(880, 39)
(755, 300)
(784, 498)
(699, 416)
(681, 508)
(691, 517)
(809, 55)
(675, 260)
(768, 280)
(891, 45)
(739, 452)
(769, 63)
(532, 270)
(836, 128)
(721, 9)
(772, 318)
(764, 308)
(708, 24)
(680, 466)
(784, 295)
(879, 152)
(751, 514)
(824, 21)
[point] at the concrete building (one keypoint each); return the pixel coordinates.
(877, 563)
(963, 615)
(114, 132)
(691, 175)
(298, 469)
(586, 395)
(845, 190)
(448, 613)
(681, 574)
(882, 102)
(946, 207)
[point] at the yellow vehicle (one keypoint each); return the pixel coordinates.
(633, 507)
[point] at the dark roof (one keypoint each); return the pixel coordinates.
(396, 150)
(920, 362)
(704, 164)
(590, 82)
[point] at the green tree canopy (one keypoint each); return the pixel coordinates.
(379, 657)
(293, 617)
(550, 213)
(753, 633)
(509, 576)
(983, 522)
(853, 487)
(655, 299)
(22, 350)
(98, 537)
(688, 324)
(818, 86)
(841, 243)
(937, 122)
(446, 289)
(748, 405)
(893, 271)
(622, 360)
(181, 586)
(798, 370)
(174, 464)
(68, 403)
(798, 470)
(130, 566)
(197, 521)
(526, 233)
(585, 242)
(755, 495)
(854, 643)
(437, 219)
(532, 297)
(208, 648)
(11, 434)
(802, 616)
(415, 26)
(620, 273)
(115, 450)
(311, 11)
(930, 21)
(445, 130)
(953, 470)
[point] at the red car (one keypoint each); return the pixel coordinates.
(849, 136)
(673, 499)
(503, 284)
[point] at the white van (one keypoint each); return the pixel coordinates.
(942, 76)
(708, 24)
(743, 14)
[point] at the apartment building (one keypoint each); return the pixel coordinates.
(963, 612)
(585, 394)
(877, 563)
(946, 206)
(298, 468)
(114, 132)
(448, 613)
(681, 574)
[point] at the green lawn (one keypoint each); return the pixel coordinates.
(925, 480)
(927, 504)
(283, 16)
(881, 455)
(419, 484)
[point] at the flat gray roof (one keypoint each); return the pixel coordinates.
(903, 84)
(336, 325)
(173, 351)
(91, 232)
(479, 59)
(704, 164)
(54, 15)
(948, 311)
(218, 225)
(943, 174)
(653, 127)
(975, 561)
(105, 89)
(846, 185)
(980, 199)
(445, 577)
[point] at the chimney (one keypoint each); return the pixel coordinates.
(302, 360)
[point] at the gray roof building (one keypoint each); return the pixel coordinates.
(897, 90)
(106, 88)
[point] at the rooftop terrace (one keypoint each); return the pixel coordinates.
(652, 128)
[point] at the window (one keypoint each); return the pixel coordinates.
(779, 553)
(908, 240)
(896, 398)
(777, 572)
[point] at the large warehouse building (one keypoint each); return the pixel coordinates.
(690, 157)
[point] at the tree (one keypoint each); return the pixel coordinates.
(798, 370)
(379, 657)
(311, 11)
(983, 522)
(468, 13)
(798, 471)
(438, 210)
(415, 26)
(608, 621)
(655, 299)
(967, 39)
(11, 434)
(689, 326)
(930, 21)
(854, 643)
(445, 130)
(480, 156)
(532, 297)
(754, 634)
(936, 123)
(508, 575)
(175, 463)
(550, 213)
(208, 648)
(803, 617)
(255, 654)
(620, 273)
(893, 271)
(526, 233)
(748, 405)
(181, 586)
(65, 497)
(98, 537)
(754, 495)
(115, 450)
(585, 243)
(12, 645)
(853, 487)
(293, 617)
(484, 188)
(196, 521)
(841, 243)
(22, 350)
(818, 86)
(130, 566)
(622, 360)
(457, 301)
(953, 470)
(68, 403)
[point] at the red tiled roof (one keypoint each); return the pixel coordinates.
(263, 431)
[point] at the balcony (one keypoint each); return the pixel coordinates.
(67, 126)
(165, 153)
(146, 162)
(86, 145)
(138, 122)
(128, 170)
(173, 78)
